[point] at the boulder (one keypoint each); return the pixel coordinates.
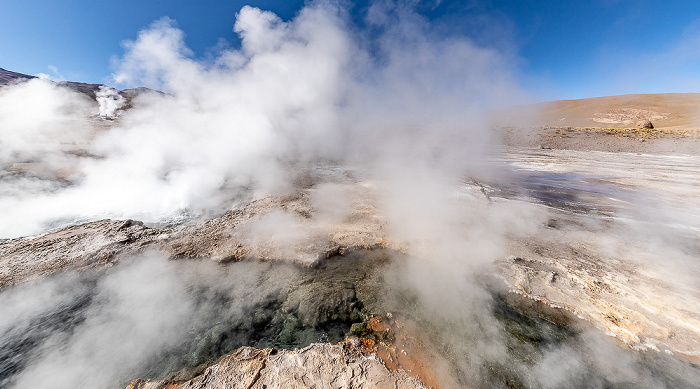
(645, 124)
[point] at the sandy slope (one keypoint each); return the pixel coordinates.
(664, 110)
(606, 124)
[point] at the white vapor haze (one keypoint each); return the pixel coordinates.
(295, 92)
(110, 101)
(36, 119)
(102, 330)
(137, 311)
(395, 100)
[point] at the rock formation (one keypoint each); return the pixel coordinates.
(316, 366)
(645, 124)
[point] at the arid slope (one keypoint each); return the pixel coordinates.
(664, 110)
(606, 124)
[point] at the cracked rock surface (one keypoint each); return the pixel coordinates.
(316, 366)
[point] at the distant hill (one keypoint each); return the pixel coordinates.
(664, 110)
(8, 77)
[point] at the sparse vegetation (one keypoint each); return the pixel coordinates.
(627, 132)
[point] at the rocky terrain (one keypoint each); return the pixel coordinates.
(564, 267)
(318, 365)
(585, 239)
(222, 238)
(622, 284)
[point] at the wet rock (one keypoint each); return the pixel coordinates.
(618, 297)
(401, 343)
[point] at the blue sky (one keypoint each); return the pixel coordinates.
(561, 49)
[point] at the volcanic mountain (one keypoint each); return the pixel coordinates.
(8, 77)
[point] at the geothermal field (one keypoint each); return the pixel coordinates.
(298, 214)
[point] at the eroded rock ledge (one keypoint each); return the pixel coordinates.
(318, 365)
(223, 238)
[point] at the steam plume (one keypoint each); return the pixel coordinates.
(396, 100)
(297, 91)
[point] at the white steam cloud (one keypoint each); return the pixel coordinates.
(395, 100)
(103, 330)
(110, 102)
(38, 119)
(295, 92)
